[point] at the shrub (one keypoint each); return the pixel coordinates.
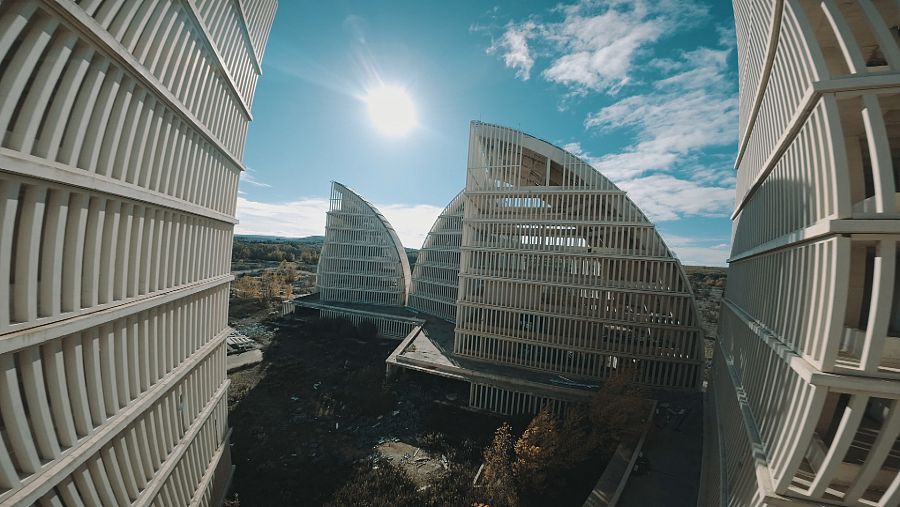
(616, 412)
(537, 468)
(451, 488)
(498, 476)
(538, 456)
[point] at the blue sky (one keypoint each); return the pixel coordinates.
(646, 91)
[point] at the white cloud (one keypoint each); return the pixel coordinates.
(513, 46)
(597, 51)
(247, 177)
(596, 44)
(306, 217)
(661, 196)
(668, 169)
(303, 217)
(411, 221)
(623, 166)
(698, 252)
(690, 110)
(680, 113)
(665, 197)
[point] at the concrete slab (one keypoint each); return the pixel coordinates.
(238, 361)
(429, 349)
(419, 464)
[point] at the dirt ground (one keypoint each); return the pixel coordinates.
(310, 416)
(317, 406)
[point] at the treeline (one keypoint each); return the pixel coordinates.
(275, 251)
(304, 250)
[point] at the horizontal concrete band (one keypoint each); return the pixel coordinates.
(584, 222)
(220, 62)
(245, 36)
(245, 22)
(35, 486)
(848, 85)
(599, 320)
(585, 286)
(594, 253)
(570, 394)
(43, 330)
(210, 472)
(153, 487)
(760, 464)
(625, 355)
(882, 388)
(88, 28)
(821, 230)
(538, 190)
(365, 313)
(21, 164)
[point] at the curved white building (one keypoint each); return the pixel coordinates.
(806, 380)
(435, 278)
(362, 259)
(561, 272)
(546, 280)
(122, 128)
(363, 271)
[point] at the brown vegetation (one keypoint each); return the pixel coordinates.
(499, 475)
(271, 284)
(552, 452)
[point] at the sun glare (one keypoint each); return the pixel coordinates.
(391, 110)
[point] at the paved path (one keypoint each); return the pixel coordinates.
(674, 448)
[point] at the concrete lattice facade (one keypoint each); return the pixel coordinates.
(806, 376)
(122, 127)
(435, 278)
(561, 272)
(362, 259)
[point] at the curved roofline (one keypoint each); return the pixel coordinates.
(553, 146)
(627, 198)
(401, 251)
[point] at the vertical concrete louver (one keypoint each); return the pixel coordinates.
(560, 272)
(435, 278)
(806, 376)
(362, 259)
(122, 127)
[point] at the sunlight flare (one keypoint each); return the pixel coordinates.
(391, 110)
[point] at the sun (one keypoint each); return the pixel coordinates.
(391, 110)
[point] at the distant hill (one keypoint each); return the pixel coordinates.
(715, 271)
(306, 241)
(255, 238)
(248, 247)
